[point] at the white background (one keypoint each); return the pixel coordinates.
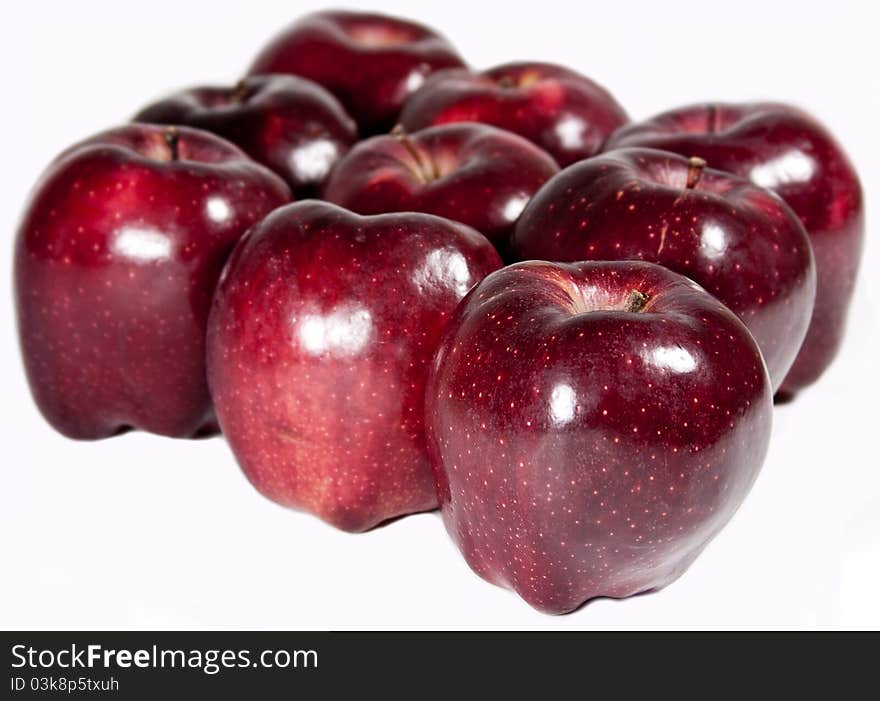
(145, 532)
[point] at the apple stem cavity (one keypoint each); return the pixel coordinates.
(695, 171)
(636, 302)
(172, 140)
(426, 171)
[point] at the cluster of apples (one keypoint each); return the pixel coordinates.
(588, 418)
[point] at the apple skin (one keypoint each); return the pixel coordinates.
(560, 110)
(370, 61)
(473, 173)
(319, 342)
(739, 241)
(782, 148)
(116, 260)
(582, 449)
(288, 124)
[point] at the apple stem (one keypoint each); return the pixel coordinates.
(240, 92)
(506, 82)
(172, 139)
(636, 301)
(428, 171)
(695, 171)
(712, 118)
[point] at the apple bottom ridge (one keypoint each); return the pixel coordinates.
(559, 601)
(347, 513)
(304, 467)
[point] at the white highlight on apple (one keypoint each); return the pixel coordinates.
(218, 209)
(414, 81)
(444, 264)
(514, 207)
(570, 131)
(713, 242)
(313, 161)
(343, 332)
(141, 245)
(673, 358)
(562, 404)
(789, 167)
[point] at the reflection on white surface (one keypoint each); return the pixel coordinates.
(673, 358)
(343, 332)
(141, 245)
(445, 264)
(514, 207)
(790, 167)
(570, 131)
(562, 404)
(218, 209)
(313, 161)
(713, 242)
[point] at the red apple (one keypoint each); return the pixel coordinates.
(782, 148)
(319, 341)
(371, 62)
(563, 112)
(116, 261)
(739, 241)
(472, 173)
(288, 124)
(592, 427)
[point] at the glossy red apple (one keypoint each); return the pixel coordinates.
(562, 111)
(288, 124)
(739, 241)
(592, 427)
(472, 173)
(116, 260)
(782, 148)
(319, 342)
(370, 61)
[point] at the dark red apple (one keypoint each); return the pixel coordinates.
(288, 124)
(592, 426)
(472, 173)
(739, 241)
(563, 112)
(370, 61)
(319, 341)
(116, 261)
(782, 148)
